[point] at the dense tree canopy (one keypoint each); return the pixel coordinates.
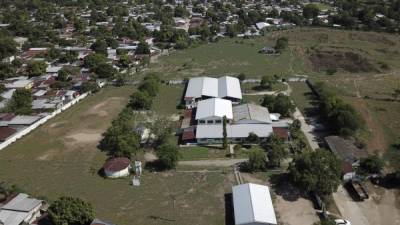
(36, 68)
(257, 160)
(20, 102)
(168, 155)
(69, 210)
(279, 104)
(317, 171)
(7, 46)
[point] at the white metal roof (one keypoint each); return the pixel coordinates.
(8, 217)
(213, 87)
(229, 87)
(233, 130)
(252, 204)
(214, 107)
(22, 203)
(23, 120)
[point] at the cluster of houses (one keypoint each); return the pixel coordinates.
(211, 100)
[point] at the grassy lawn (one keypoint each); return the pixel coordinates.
(256, 99)
(200, 153)
(168, 99)
(301, 95)
(61, 158)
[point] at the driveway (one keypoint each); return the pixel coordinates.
(349, 209)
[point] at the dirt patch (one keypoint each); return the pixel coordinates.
(57, 124)
(47, 156)
(84, 138)
(101, 108)
(347, 61)
(296, 212)
(377, 142)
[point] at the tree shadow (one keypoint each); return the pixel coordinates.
(283, 186)
(160, 218)
(155, 166)
(229, 211)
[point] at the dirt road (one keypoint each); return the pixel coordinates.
(214, 162)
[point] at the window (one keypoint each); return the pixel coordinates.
(218, 121)
(202, 121)
(210, 121)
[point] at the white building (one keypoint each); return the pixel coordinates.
(212, 111)
(236, 133)
(252, 205)
(21, 209)
(200, 88)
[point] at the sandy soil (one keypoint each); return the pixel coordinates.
(298, 212)
(84, 137)
(382, 208)
(101, 108)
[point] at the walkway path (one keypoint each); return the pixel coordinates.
(307, 129)
(213, 162)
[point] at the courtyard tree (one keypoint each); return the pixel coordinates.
(317, 171)
(105, 71)
(279, 104)
(93, 60)
(7, 46)
(252, 138)
(276, 150)
(142, 49)
(267, 81)
(257, 160)
(70, 210)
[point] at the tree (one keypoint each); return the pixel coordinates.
(70, 210)
(267, 81)
(62, 75)
(142, 49)
(7, 47)
(89, 86)
(257, 160)
(310, 11)
(140, 100)
(241, 77)
(317, 171)
(120, 139)
(279, 104)
(36, 68)
(281, 44)
(93, 60)
(151, 86)
(20, 102)
(252, 138)
(168, 155)
(105, 70)
(100, 47)
(124, 61)
(371, 164)
(224, 133)
(276, 151)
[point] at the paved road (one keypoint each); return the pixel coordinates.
(349, 209)
(214, 162)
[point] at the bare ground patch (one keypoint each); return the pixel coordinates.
(347, 61)
(101, 108)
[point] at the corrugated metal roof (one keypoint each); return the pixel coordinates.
(11, 217)
(233, 130)
(251, 112)
(253, 204)
(214, 107)
(22, 203)
(229, 87)
(213, 87)
(23, 120)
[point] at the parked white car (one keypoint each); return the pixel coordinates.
(342, 222)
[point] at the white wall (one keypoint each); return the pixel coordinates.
(43, 120)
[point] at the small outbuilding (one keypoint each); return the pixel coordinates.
(252, 205)
(117, 167)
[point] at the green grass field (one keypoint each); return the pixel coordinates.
(168, 99)
(61, 158)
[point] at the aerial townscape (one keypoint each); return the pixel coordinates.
(200, 112)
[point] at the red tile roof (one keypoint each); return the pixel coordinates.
(116, 164)
(188, 134)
